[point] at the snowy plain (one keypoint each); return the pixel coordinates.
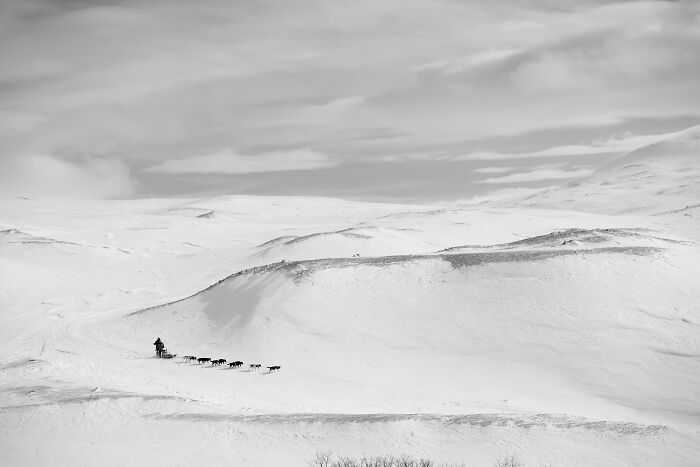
(562, 328)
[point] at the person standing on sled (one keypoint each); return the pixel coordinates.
(159, 347)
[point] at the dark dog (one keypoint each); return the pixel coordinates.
(254, 366)
(191, 358)
(273, 368)
(203, 360)
(220, 361)
(235, 364)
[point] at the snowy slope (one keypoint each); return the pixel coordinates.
(459, 334)
(421, 321)
(661, 177)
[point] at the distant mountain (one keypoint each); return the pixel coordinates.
(656, 178)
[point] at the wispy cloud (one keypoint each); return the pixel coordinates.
(610, 146)
(538, 175)
(228, 161)
(331, 109)
(44, 175)
(151, 83)
(459, 65)
(493, 170)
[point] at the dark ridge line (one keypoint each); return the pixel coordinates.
(347, 231)
(277, 240)
(688, 207)
(37, 240)
(430, 212)
(253, 270)
(294, 239)
(21, 362)
(621, 231)
(45, 241)
(455, 260)
(193, 244)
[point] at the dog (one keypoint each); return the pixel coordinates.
(254, 366)
(235, 364)
(273, 368)
(220, 361)
(203, 360)
(191, 358)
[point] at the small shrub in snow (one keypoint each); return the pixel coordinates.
(326, 459)
(346, 462)
(509, 461)
(323, 459)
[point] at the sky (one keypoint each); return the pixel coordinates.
(404, 100)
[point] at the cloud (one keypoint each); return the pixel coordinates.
(538, 175)
(614, 45)
(46, 175)
(620, 145)
(17, 121)
(333, 108)
(596, 63)
(357, 81)
(228, 161)
(459, 65)
(502, 194)
(493, 170)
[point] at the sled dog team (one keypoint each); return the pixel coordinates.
(220, 361)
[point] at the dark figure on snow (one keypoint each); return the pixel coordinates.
(159, 347)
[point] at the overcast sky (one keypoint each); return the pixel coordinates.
(373, 99)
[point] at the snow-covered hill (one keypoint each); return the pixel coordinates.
(461, 334)
(524, 324)
(661, 177)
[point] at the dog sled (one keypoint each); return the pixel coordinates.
(165, 354)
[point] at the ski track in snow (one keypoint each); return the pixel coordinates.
(514, 420)
(46, 395)
(55, 395)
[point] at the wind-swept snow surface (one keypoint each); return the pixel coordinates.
(487, 327)
(460, 334)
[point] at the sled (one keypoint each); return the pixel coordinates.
(166, 354)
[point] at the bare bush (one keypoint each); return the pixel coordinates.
(323, 459)
(326, 459)
(346, 461)
(508, 461)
